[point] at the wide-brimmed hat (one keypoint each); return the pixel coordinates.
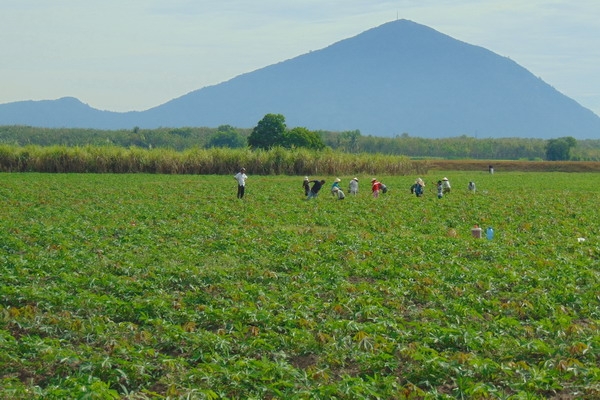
(306, 178)
(355, 179)
(373, 180)
(338, 180)
(445, 179)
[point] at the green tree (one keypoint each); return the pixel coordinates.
(302, 137)
(225, 128)
(268, 133)
(560, 149)
(349, 141)
(183, 132)
(226, 136)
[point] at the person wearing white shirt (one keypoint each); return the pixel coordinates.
(353, 186)
(241, 177)
(445, 185)
(337, 192)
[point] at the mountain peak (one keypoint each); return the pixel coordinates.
(399, 77)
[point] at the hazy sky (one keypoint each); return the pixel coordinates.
(122, 55)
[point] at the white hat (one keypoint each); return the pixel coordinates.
(337, 179)
(355, 179)
(306, 178)
(445, 179)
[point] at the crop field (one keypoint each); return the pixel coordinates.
(139, 286)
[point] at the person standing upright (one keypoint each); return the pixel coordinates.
(440, 190)
(241, 177)
(306, 186)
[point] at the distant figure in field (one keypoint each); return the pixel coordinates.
(306, 186)
(383, 188)
(375, 187)
(314, 190)
(440, 189)
(353, 187)
(339, 194)
(241, 177)
(445, 185)
(491, 169)
(336, 184)
(472, 187)
(419, 187)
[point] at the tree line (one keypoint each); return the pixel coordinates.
(271, 131)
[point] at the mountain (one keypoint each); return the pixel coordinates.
(400, 77)
(66, 112)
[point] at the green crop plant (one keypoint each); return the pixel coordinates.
(168, 286)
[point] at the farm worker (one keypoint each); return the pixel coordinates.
(472, 187)
(446, 185)
(339, 194)
(314, 190)
(383, 187)
(419, 187)
(440, 189)
(353, 187)
(375, 187)
(491, 169)
(336, 184)
(241, 177)
(306, 186)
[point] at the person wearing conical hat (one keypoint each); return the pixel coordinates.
(375, 187)
(339, 194)
(336, 184)
(353, 187)
(419, 187)
(445, 185)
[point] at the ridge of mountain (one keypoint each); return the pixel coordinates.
(400, 77)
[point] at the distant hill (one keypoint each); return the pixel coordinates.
(401, 77)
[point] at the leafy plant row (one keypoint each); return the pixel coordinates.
(166, 286)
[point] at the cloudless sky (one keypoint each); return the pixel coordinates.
(123, 55)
